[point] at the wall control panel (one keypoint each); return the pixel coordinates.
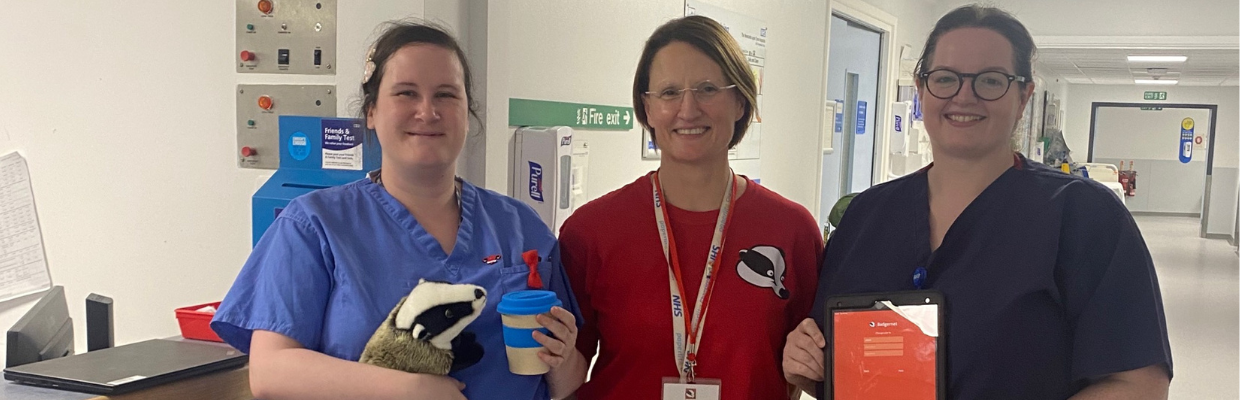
(286, 37)
(258, 115)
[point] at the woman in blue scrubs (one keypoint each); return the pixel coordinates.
(336, 261)
(1049, 288)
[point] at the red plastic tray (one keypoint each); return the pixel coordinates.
(197, 325)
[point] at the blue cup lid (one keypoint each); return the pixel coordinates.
(528, 302)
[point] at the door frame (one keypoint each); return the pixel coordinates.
(885, 24)
(1213, 108)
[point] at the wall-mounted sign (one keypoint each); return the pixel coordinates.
(861, 117)
(522, 112)
(1186, 140)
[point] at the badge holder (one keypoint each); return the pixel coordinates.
(885, 346)
(675, 388)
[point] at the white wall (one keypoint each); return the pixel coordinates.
(1048, 81)
(530, 57)
(1076, 131)
(589, 54)
(1227, 134)
(916, 19)
(1151, 139)
(1127, 18)
(1146, 134)
(128, 125)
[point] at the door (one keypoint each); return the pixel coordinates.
(852, 79)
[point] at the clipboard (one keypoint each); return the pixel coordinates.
(885, 346)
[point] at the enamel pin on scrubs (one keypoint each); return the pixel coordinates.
(687, 333)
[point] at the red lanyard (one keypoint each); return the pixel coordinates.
(687, 333)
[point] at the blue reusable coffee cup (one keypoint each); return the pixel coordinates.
(517, 310)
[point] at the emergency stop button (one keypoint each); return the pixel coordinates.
(265, 102)
(248, 152)
(264, 6)
(248, 56)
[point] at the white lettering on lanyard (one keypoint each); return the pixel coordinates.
(690, 331)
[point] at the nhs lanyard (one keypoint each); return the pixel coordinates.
(687, 334)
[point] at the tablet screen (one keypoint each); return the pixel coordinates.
(881, 355)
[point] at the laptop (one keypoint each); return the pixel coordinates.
(130, 367)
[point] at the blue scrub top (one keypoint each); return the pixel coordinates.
(1047, 281)
(335, 262)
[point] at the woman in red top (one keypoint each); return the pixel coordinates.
(691, 273)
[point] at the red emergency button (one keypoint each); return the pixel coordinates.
(264, 6)
(247, 55)
(265, 102)
(248, 152)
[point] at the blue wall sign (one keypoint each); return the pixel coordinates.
(916, 106)
(1186, 140)
(860, 117)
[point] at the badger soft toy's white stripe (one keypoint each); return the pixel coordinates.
(429, 294)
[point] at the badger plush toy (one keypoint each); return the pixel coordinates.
(423, 334)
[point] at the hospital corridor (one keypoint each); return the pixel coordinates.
(620, 199)
(1199, 289)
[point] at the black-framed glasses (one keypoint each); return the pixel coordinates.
(989, 85)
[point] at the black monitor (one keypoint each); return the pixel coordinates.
(44, 333)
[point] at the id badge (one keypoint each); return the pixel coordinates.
(703, 389)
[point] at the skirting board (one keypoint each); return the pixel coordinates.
(1165, 214)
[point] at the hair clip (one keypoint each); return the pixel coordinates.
(369, 69)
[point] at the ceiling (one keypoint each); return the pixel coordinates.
(1205, 67)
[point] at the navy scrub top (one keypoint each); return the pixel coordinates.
(1047, 281)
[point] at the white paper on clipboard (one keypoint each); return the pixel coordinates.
(23, 263)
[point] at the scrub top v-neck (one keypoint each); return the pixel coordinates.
(336, 261)
(1048, 283)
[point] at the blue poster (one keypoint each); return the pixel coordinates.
(1186, 140)
(860, 117)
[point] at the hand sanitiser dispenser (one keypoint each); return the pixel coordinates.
(548, 172)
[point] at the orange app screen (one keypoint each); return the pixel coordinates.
(880, 355)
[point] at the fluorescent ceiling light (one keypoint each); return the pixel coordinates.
(1157, 81)
(1157, 58)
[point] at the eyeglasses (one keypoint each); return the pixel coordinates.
(703, 93)
(989, 86)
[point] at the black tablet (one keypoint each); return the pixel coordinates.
(885, 346)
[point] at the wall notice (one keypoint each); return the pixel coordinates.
(750, 33)
(342, 144)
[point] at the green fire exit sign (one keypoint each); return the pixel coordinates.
(1155, 95)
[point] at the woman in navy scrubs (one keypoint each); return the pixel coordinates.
(1049, 288)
